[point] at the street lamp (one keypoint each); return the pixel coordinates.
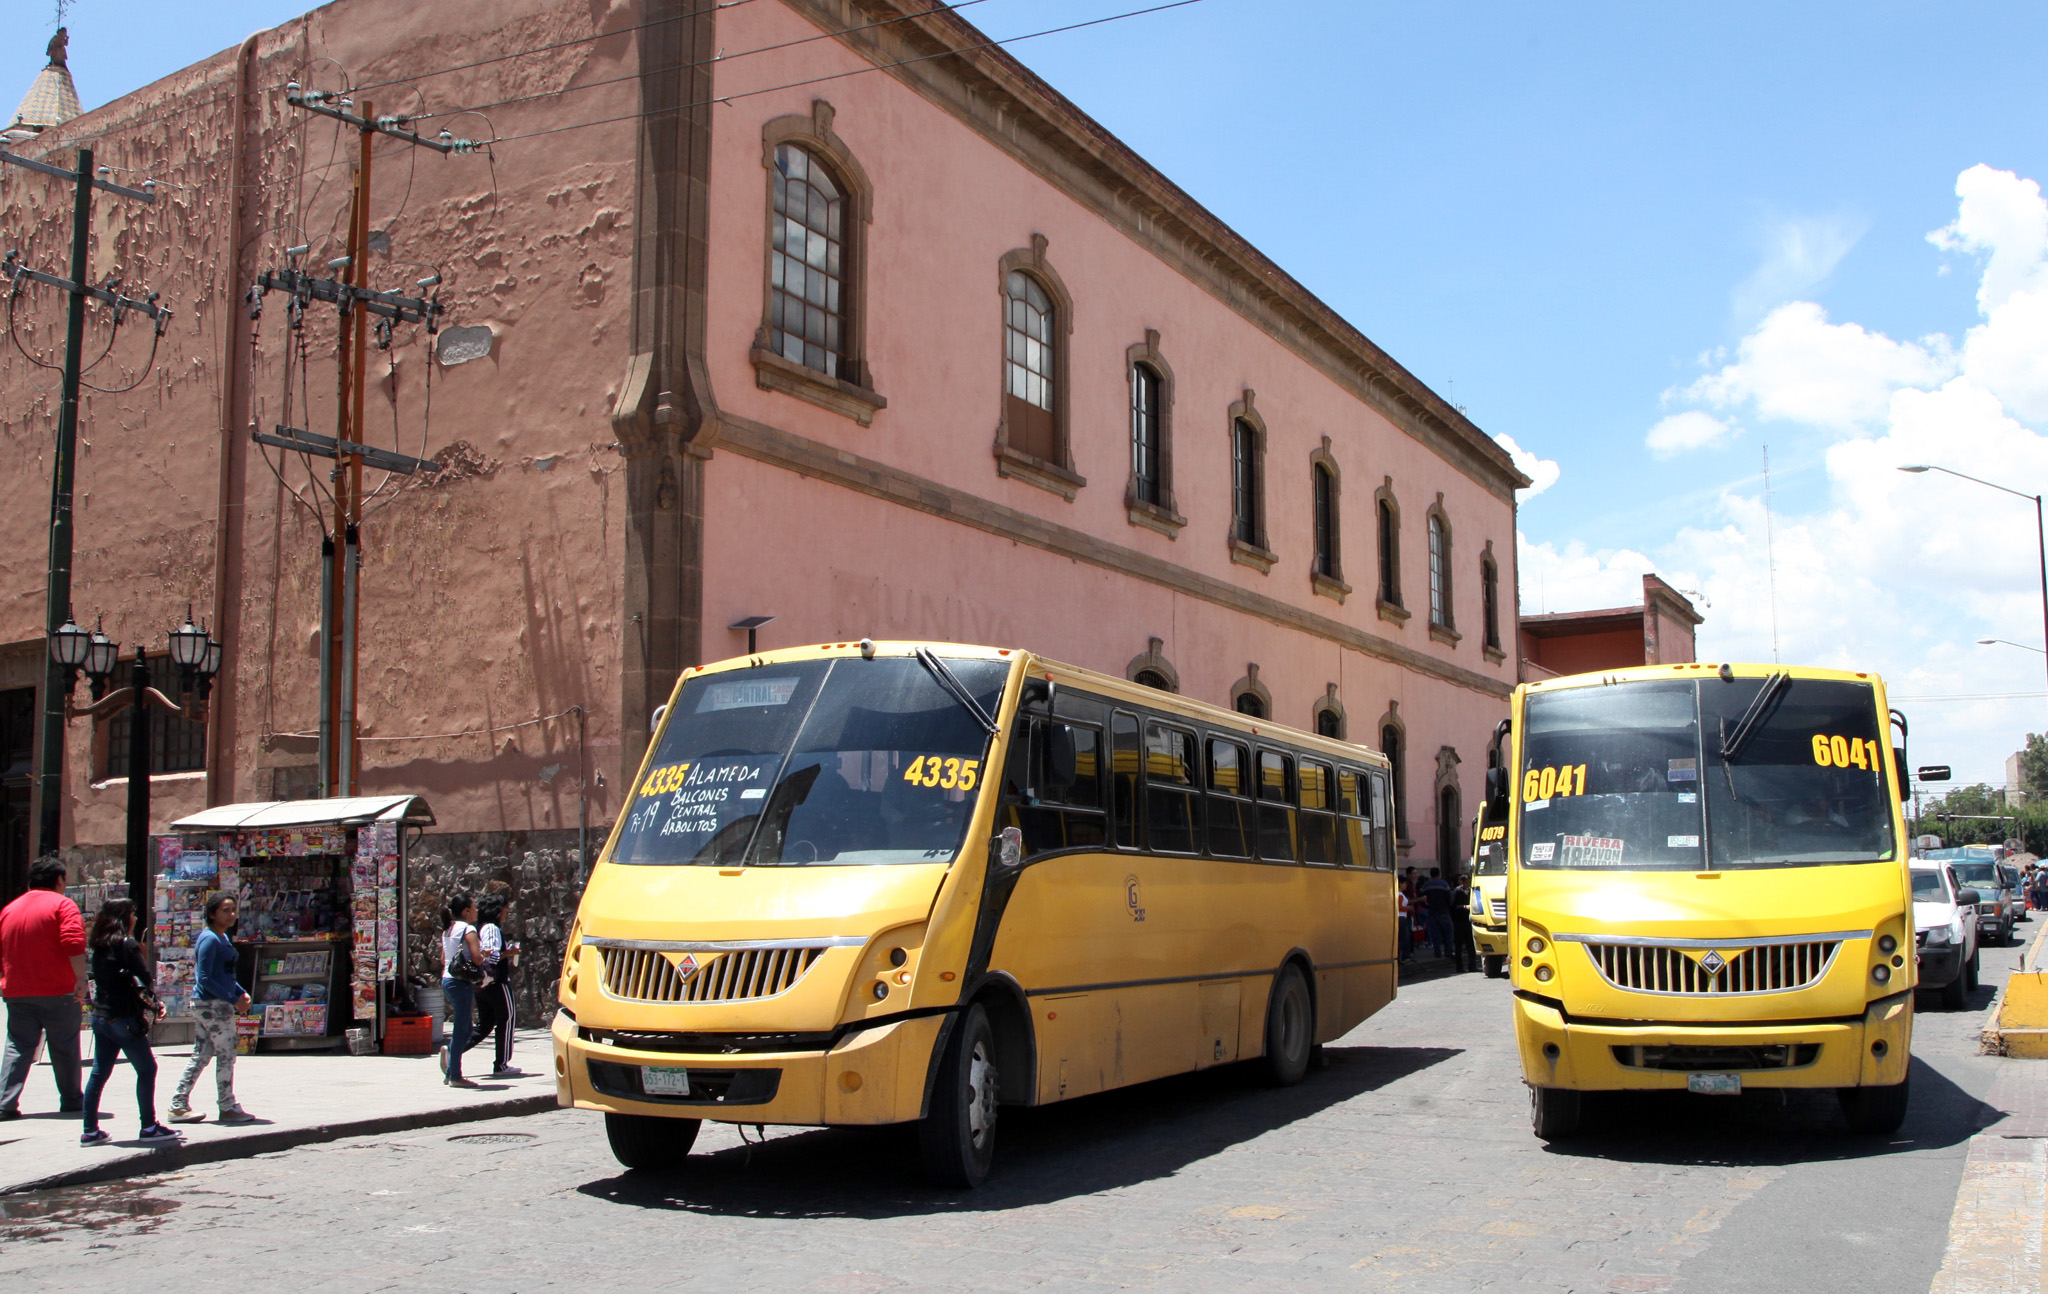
(2040, 529)
(1992, 642)
(97, 656)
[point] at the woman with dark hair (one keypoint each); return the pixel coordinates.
(218, 997)
(462, 969)
(123, 1009)
(495, 1006)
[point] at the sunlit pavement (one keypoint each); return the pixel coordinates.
(1404, 1164)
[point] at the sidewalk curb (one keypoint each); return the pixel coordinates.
(172, 1158)
(1991, 1036)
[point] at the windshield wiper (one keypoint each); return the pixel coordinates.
(951, 682)
(1732, 743)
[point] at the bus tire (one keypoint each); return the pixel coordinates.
(957, 1139)
(1874, 1111)
(1496, 967)
(648, 1142)
(1290, 1028)
(1553, 1112)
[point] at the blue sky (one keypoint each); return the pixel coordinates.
(1579, 221)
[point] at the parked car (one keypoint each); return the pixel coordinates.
(2015, 884)
(1997, 898)
(1945, 916)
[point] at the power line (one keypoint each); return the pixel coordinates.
(837, 76)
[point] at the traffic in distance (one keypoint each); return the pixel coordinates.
(874, 883)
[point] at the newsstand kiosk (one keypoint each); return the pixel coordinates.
(321, 888)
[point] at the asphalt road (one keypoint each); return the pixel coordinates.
(1405, 1164)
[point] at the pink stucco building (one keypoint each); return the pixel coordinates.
(862, 326)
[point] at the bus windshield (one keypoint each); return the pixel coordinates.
(839, 761)
(1490, 853)
(1704, 775)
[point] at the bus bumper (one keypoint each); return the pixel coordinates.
(1492, 941)
(1605, 1056)
(872, 1076)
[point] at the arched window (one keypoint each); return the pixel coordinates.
(1449, 831)
(1324, 486)
(1148, 471)
(807, 265)
(1439, 572)
(1390, 552)
(1152, 678)
(1329, 723)
(1391, 746)
(1028, 323)
(1246, 524)
(1249, 703)
(1489, 599)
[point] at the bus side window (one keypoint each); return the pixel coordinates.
(1354, 847)
(1123, 778)
(1052, 786)
(1382, 838)
(1229, 804)
(1170, 790)
(1276, 806)
(1318, 825)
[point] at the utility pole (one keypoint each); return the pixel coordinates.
(57, 592)
(341, 550)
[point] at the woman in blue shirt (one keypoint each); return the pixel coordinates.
(217, 999)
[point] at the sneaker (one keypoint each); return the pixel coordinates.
(97, 1137)
(233, 1117)
(158, 1132)
(458, 1081)
(5, 1115)
(507, 1072)
(179, 1114)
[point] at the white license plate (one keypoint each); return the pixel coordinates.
(1714, 1084)
(665, 1082)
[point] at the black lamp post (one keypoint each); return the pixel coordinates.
(197, 659)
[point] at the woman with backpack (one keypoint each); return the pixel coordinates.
(124, 1006)
(462, 969)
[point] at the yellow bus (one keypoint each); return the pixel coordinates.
(1708, 887)
(869, 883)
(1490, 892)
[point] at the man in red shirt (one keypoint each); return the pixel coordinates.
(42, 977)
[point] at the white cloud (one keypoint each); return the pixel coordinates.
(2002, 218)
(1573, 577)
(1798, 255)
(1798, 367)
(1542, 472)
(1683, 432)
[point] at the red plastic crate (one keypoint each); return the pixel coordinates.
(409, 1035)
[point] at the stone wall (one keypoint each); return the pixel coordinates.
(541, 872)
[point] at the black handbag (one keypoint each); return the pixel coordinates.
(462, 969)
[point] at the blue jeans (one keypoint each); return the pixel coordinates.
(114, 1036)
(1440, 936)
(461, 999)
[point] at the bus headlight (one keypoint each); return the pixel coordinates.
(1882, 974)
(1543, 974)
(1536, 944)
(1887, 945)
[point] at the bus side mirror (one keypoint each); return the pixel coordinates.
(1006, 851)
(1497, 794)
(654, 722)
(1905, 778)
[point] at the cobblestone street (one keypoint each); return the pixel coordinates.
(1405, 1164)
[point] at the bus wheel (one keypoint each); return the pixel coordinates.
(1289, 1029)
(1496, 967)
(1874, 1111)
(1553, 1112)
(958, 1138)
(650, 1142)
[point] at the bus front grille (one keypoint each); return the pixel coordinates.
(1500, 911)
(1765, 968)
(643, 975)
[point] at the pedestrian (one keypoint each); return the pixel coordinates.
(1407, 942)
(124, 1006)
(42, 978)
(216, 1000)
(1462, 947)
(496, 1008)
(1436, 897)
(462, 962)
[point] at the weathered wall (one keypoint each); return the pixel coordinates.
(542, 872)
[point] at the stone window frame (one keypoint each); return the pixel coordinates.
(1396, 752)
(1329, 703)
(1489, 604)
(1250, 686)
(1447, 761)
(1153, 660)
(854, 398)
(1326, 583)
(1053, 477)
(1255, 554)
(1163, 516)
(1386, 515)
(1443, 569)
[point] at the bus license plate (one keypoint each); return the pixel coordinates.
(1714, 1084)
(656, 1081)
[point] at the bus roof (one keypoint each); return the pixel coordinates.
(1109, 685)
(1694, 669)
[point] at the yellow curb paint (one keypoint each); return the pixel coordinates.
(1995, 1234)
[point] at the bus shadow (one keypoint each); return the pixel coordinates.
(1767, 1128)
(1096, 1143)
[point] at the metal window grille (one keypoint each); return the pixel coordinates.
(1244, 481)
(807, 265)
(1147, 472)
